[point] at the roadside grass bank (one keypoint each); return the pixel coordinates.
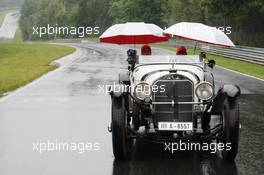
(18, 36)
(229, 63)
(21, 63)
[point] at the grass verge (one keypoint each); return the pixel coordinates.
(18, 36)
(21, 63)
(229, 63)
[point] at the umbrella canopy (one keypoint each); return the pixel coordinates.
(133, 33)
(200, 33)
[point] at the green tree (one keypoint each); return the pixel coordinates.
(28, 11)
(186, 10)
(93, 12)
(245, 16)
(78, 13)
(151, 11)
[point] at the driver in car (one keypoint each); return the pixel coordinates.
(181, 50)
(145, 50)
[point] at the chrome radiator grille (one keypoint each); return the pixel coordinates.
(174, 91)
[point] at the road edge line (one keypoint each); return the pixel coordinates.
(20, 89)
(250, 76)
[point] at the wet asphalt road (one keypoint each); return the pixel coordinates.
(66, 106)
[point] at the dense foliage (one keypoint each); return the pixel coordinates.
(246, 17)
(63, 13)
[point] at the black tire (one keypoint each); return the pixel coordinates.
(230, 118)
(135, 116)
(206, 123)
(119, 129)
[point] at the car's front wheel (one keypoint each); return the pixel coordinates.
(230, 120)
(120, 128)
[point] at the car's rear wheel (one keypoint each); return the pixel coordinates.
(230, 119)
(120, 140)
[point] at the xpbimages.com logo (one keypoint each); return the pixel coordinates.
(193, 146)
(61, 146)
(138, 89)
(80, 32)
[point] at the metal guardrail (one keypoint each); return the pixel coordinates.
(245, 53)
(249, 54)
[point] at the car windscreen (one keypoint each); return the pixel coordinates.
(169, 59)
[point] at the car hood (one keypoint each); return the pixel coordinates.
(151, 72)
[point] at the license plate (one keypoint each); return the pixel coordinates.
(175, 126)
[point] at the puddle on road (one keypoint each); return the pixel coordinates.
(149, 157)
(251, 156)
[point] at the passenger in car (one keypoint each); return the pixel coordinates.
(145, 50)
(181, 50)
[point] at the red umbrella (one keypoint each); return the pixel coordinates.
(133, 33)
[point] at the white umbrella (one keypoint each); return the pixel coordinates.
(200, 33)
(133, 33)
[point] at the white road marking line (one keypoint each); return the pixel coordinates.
(230, 70)
(17, 91)
(240, 73)
(76, 53)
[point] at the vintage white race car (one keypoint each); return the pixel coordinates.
(171, 98)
